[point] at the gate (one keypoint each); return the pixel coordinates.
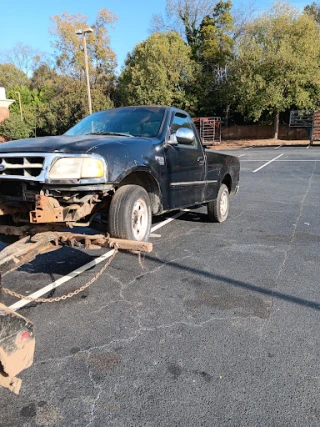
(209, 129)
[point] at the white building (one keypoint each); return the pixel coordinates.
(4, 104)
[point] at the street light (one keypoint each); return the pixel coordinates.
(84, 32)
(20, 106)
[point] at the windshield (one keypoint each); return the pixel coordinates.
(135, 121)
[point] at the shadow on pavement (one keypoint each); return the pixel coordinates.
(243, 285)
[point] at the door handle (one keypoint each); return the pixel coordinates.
(200, 160)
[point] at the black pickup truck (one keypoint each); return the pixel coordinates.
(124, 165)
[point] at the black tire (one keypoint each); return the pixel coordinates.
(218, 210)
(130, 214)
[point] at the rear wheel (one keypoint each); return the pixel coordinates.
(130, 214)
(218, 209)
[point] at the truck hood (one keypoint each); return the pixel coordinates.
(62, 144)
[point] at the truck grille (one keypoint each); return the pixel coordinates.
(26, 166)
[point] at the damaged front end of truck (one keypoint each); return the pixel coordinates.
(42, 188)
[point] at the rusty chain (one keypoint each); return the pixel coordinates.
(71, 294)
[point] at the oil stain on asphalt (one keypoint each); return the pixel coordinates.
(212, 295)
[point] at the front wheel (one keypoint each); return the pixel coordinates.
(130, 214)
(218, 209)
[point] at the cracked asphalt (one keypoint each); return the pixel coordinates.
(219, 328)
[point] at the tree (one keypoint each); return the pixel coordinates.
(184, 16)
(62, 102)
(14, 128)
(159, 71)
(277, 64)
(42, 76)
(215, 51)
(313, 10)
(69, 45)
(207, 27)
(11, 76)
(216, 35)
(29, 101)
(242, 16)
(23, 57)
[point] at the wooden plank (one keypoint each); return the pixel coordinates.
(131, 245)
(28, 248)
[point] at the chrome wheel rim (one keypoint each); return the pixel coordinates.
(140, 219)
(224, 203)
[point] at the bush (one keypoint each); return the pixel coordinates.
(14, 128)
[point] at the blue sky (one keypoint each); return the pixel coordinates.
(28, 21)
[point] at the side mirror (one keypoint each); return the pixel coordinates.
(185, 136)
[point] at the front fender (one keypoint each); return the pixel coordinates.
(132, 169)
(117, 159)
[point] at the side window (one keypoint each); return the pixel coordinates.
(182, 121)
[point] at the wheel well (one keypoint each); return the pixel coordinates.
(151, 186)
(227, 181)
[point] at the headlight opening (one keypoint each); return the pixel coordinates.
(77, 168)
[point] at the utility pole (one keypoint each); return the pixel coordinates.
(20, 106)
(84, 32)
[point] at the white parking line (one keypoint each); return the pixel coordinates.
(248, 148)
(268, 163)
(278, 147)
(78, 271)
(62, 280)
(168, 220)
(241, 155)
(308, 146)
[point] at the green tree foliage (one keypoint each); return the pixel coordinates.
(159, 71)
(214, 61)
(11, 76)
(216, 50)
(277, 64)
(51, 105)
(27, 96)
(185, 17)
(14, 128)
(62, 102)
(69, 45)
(70, 62)
(42, 76)
(55, 98)
(313, 10)
(216, 35)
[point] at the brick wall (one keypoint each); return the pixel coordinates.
(4, 113)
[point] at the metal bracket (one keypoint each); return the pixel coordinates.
(47, 209)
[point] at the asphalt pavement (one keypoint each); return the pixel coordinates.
(219, 328)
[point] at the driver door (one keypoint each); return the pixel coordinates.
(186, 167)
